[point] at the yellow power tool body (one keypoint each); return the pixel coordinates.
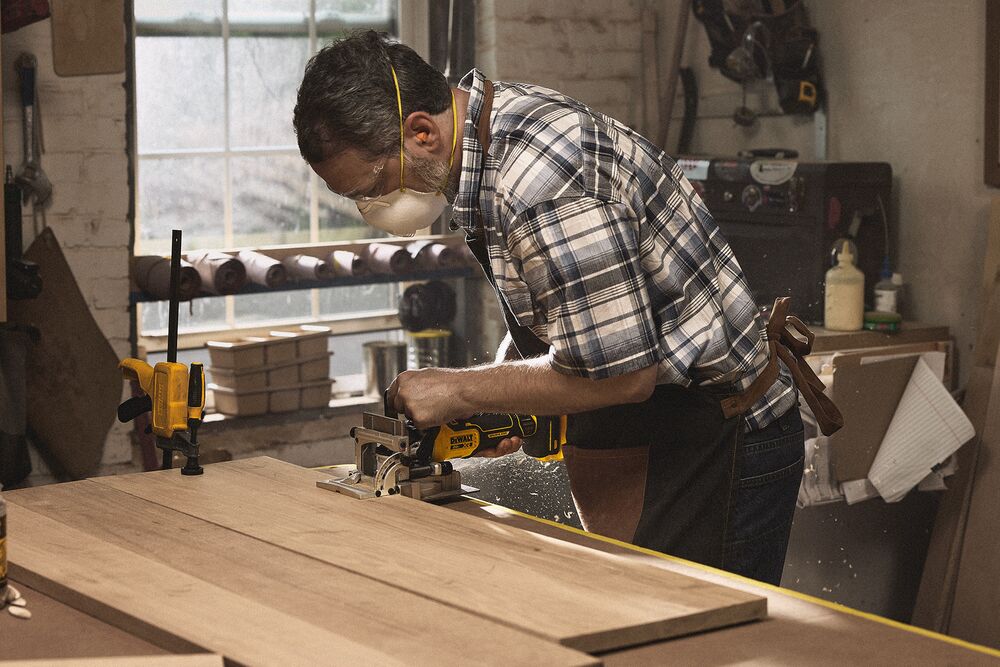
(542, 437)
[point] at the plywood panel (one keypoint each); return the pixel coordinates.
(359, 608)
(169, 607)
(568, 594)
(74, 384)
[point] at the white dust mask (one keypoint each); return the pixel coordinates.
(404, 211)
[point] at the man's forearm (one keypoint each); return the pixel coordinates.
(532, 386)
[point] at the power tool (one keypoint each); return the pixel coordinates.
(173, 394)
(392, 457)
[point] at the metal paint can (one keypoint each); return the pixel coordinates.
(428, 348)
(383, 361)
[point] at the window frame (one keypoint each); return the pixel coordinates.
(412, 21)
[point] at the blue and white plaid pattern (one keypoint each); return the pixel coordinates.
(599, 244)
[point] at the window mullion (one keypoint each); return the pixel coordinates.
(313, 179)
(227, 217)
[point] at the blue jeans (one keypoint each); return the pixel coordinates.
(766, 483)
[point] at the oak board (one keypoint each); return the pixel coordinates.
(572, 595)
(363, 611)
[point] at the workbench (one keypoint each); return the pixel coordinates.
(798, 629)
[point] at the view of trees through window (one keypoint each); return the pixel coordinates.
(215, 84)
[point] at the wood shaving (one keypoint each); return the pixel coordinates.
(19, 612)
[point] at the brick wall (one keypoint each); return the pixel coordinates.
(587, 49)
(84, 131)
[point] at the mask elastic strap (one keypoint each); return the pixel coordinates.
(399, 105)
(454, 128)
(454, 132)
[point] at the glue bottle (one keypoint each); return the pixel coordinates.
(845, 294)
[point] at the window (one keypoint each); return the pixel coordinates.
(215, 83)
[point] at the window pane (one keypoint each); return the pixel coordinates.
(293, 304)
(264, 12)
(334, 15)
(179, 93)
(177, 10)
(335, 301)
(264, 75)
(180, 193)
(339, 219)
(270, 200)
(196, 314)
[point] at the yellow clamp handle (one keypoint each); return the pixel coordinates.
(136, 369)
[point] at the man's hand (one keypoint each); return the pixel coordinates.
(429, 396)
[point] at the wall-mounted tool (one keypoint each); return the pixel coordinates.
(23, 278)
(174, 394)
(35, 185)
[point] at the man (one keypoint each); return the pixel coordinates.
(625, 306)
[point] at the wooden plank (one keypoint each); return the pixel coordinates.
(163, 605)
(574, 596)
(191, 660)
(357, 607)
(800, 629)
(911, 332)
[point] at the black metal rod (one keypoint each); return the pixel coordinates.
(175, 279)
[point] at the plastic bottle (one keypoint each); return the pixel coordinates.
(845, 294)
(887, 291)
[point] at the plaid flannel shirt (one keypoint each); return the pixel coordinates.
(599, 244)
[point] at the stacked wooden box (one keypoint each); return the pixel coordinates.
(286, 370)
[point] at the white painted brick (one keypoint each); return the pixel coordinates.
(107, 99)
(92, 263)
(62, 167)
(597, 9)
(59, 99)
(106, 168)
(599, 93)
(122, 348)
(85, 133)
(106, 200)
(113, 322)
(104, 293)
(600, 64)
(91, 231)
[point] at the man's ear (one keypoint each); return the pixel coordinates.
(422, 135)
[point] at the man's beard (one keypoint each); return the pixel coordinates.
(433, 174)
